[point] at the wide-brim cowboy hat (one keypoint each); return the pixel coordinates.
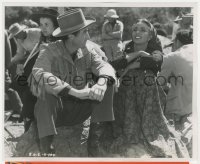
(15, 29)
(111, 14)
(72, 21)
(46, 12)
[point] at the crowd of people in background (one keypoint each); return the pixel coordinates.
(145, 95)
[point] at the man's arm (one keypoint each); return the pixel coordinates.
(42, 79)
(20, 54)
(117, 34)
(104, 32)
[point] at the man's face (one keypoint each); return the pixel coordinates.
(81, 38)
(111, 20)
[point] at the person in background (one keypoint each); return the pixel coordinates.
(183, 21)
(8, 51)
(26, 39)
(47, 19)
(12, 99)
(160, 30)
(63, 101)
(177, 69)
(112, 32)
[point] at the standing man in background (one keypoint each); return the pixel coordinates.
(112, 32)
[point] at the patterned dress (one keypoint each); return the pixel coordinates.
(139, 118)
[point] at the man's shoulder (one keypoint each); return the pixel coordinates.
(53, 48)
(94, 49)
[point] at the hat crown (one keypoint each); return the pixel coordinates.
(50, 11)
(111, 13)
(72, 19)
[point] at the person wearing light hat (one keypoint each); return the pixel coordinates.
(112, 32)
(183, 21)
(177, 68)
(60, 79)
(26, 39)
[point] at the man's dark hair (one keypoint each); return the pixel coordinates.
(184, 36)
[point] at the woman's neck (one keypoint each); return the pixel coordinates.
(140, 47)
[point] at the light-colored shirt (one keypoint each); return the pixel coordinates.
(116, 31)
(27, 45)
(177, 68)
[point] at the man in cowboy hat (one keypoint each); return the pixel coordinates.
(60, 77)
(112, 32)
(26, 39)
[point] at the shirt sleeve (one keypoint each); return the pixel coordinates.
(118, 34)
(42, 80)
(100, 67)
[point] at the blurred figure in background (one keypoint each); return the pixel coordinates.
(112, 32)
(177, 68)
(48, 23)
(183, 21)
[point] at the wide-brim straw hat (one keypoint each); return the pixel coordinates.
(72, 21)
(111, 14)
(15, 29)
(46, 12)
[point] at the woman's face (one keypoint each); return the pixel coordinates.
(47, 26)
(141, 33)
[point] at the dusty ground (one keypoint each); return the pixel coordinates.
(16, 129)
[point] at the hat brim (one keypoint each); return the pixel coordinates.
(113, 16)
(59, 33)
(12, 35)
(177, 20)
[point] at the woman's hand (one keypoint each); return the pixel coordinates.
(143, 54)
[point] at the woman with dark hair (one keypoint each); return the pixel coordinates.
(47, 19)
(138, 104)
(48, 23)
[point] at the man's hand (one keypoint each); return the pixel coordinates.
(98, 90)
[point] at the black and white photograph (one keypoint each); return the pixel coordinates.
(99, 81)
